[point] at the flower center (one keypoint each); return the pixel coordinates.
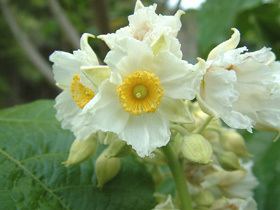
(140, 92)
(81, 94)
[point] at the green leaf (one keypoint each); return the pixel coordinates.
(216, 18)
(32, 147)
(258, 28)
(267, 169)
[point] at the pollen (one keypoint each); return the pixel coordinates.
(140, 92)
(81, 94)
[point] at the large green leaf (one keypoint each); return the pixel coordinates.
(216, 18)
(32, 147)
(267, 169)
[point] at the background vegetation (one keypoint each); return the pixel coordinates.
(32, 30)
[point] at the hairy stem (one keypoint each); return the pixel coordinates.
(178, 176)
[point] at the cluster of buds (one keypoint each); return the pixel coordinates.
(217, 166)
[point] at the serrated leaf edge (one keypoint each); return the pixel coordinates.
(28, 172)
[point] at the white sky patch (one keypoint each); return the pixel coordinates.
(186, 4)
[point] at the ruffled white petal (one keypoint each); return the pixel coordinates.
(248, 204)
(122, 62)
(167, 43)
(145, 25)
(219, 94)
(263, 55)
(244, 188)
(112, 38)
(179, 78)
(67, 110)
(65, 65)
(146, 132)
(175, 110)
(258, 85)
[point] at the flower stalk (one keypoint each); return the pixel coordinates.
(201, 128)
(178, 176)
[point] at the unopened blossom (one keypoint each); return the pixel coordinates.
(144, 93)
(78, 74)
(166, 205)
(242, 88)
(235, 203)
(235, 184)
(147, 26)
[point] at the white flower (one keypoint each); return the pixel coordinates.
(246, 204)
(236, 204)
(144, 93)
(78, 75)
(241, 88)
(234, 184)
(145, 25)
(166, 205)
(245, 186)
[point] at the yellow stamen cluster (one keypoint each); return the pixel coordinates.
(81, 94)
(140, 92)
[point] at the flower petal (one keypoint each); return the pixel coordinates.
(90, 57)
(138, 5)
(66, 108)
(219, 94)
(175, 110)
(65, 65)
(179, 79)
(104, 112)
(230, 44)
(263, 55)
(125, 59)
(146, 132)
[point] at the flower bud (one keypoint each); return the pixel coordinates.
(106, 169)
(234, 142)
(229, 161)
(168, 204)
(204, 198)
(212, 136)
(197, 149)
(201, 208)
(81, 150)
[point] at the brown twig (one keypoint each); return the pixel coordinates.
(68, 29)
(101, 15)
(23, 40)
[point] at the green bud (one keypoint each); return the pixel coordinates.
(166, 205)
(197, 149)
(212, 136)
(234, 142)
(229, 161)
(106, 169)
(114, 149)
(81, 150)
(201, 208)
(204, 198)
(108, 165)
